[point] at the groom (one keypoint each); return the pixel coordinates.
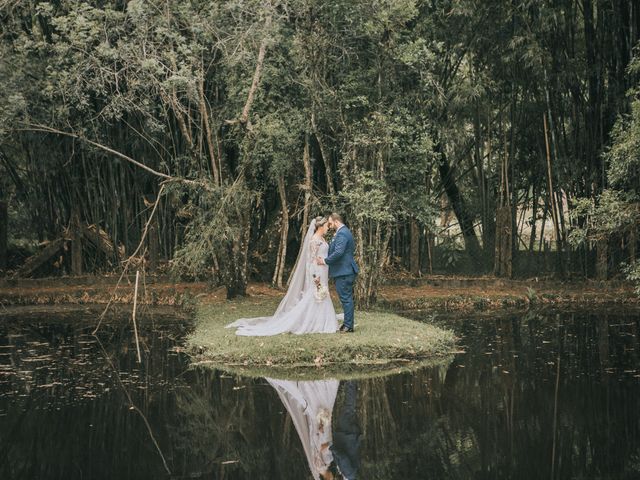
(342, 267)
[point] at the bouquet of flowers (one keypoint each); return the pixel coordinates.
(323, 418)
(321, 291)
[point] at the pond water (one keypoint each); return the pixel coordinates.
(536, 395)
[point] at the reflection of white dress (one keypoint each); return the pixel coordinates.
(310, 404)
(303, 314)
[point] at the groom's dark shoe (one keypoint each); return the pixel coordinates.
(344, 329)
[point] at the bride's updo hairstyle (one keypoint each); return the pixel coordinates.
(320, 221)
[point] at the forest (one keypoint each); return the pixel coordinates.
(198, 138)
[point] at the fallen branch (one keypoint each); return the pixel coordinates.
(101, 240)
(35, 261)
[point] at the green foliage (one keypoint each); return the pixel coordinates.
(451, 252)
(383, 93)
(275, 144)
(624, 155)
(367, 199)
(532, 295)
(613, 212)
(215, 219)
(632, 273)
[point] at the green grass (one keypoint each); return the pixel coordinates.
(383, 343)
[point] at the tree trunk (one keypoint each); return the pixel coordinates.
(234, 274)
(234, 265)
(284, 234)
(154, 241)
(76, 244)
(4, 234)
(325, 158)
(633, 241)
(479, 165)
(555, 215)
(465, 219)
(35, 261)
(234, 271)
(602, 258)
(377, 244)
(257, 74)
(504, 254)
(592, 120)
(204, 113)
(534, 215)
(414, 255)
(430, 245)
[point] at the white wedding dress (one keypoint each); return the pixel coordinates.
(302, 310)
(310, 404)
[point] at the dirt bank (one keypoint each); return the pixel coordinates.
(437, 292)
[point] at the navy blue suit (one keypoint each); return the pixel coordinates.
(343, 268)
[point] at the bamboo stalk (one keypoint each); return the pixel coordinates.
(633, 239)
(135, 304)
(552, 200)
(282, 249)
(325, 158)
(4, 233)
(204, 113)
(307, 183)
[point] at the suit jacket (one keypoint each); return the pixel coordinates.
(340, 259)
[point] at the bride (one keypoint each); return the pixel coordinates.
(307, 306)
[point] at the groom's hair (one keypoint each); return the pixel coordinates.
(336, 216)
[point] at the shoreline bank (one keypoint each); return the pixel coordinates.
(466, 294)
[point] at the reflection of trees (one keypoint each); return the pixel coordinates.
(416, 438)
(64, 409)
(214, 425)
(220, 419)
(508, 401)
(64, 363)
(492, 414)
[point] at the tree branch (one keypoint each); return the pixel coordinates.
(244, 117)
(46, 129)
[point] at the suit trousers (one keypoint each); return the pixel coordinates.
(344, 287)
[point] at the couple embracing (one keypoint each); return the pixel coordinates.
(307, 305)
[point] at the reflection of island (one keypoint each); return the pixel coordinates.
(310, 404)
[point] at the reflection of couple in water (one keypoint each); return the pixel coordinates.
(330, 442)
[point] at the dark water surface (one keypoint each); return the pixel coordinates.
(533, 396)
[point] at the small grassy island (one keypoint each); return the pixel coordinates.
(383, 343)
